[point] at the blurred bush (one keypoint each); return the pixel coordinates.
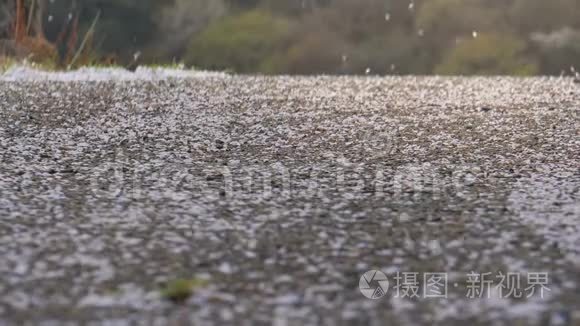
(558, 51)
(178, 23)
(396, 53)
(351, 37)
(355, 21)
(528, 16)
(7, 9)
(318, 52)
(445, 20)
(240, 43)
(488, 54)
(312, 36)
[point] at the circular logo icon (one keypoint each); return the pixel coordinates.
(373, 284)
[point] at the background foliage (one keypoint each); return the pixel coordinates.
(518, 37)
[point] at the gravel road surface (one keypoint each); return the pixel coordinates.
(272, 196)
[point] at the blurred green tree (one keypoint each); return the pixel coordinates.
(488, 54)
(124, 27)
(317, 52)
(319, 36)
(399, 52)
(529, 16)
(558, 51)
(240, 43)
(355, 21)
(446, 20)
(180, 22)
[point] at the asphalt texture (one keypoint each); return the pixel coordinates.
(273, 195)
